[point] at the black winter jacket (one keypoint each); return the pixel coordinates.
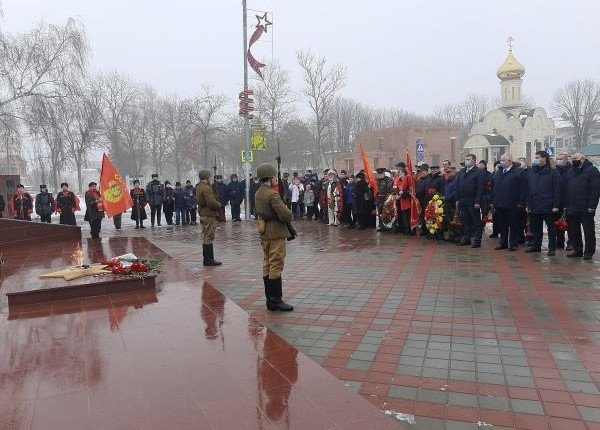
(583, 188)
(509, 189)
(543, 189)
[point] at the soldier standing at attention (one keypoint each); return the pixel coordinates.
(275, 214)
(208, 209)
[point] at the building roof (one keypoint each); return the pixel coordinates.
(510, 69)
(591, 150)
(496, 140)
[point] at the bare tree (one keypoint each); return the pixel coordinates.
(133, 129)
(41, 119)
(206, 112)
(156, 130)
(78, 119)
(321, 85)
(10, 142)
(274, 98)
(119, 95)
(40, 63)
(179, 126)
(579, 103)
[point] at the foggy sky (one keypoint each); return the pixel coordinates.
(410, 54)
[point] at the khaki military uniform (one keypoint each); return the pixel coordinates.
(208, 209)
(275, 213)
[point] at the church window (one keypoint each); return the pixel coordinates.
(380, 142)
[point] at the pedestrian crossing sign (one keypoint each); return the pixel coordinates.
(247, 156)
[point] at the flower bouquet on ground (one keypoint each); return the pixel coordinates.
(130, 265)
(434, 214)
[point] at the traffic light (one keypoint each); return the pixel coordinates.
(246, 103)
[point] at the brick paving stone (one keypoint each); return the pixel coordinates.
(467, 320)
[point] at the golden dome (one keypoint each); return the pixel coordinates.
(510, 69)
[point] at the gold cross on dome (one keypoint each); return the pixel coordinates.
(510, 41)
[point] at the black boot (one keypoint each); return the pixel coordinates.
(274, 300)
(137, 225)
(142, 224)
(266, 282)
(209, 256)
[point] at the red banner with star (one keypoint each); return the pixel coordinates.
(260, 28)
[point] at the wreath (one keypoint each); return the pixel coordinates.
(434, 214)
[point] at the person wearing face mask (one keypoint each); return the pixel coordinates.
(235, 195)
(21, 204)
(469, 195)
(450, 198)
(44, 204)
(223, 197)
(402, 197)
(543, 200)
(95, 209)
(562, 166)
(582, 194)
(509, 190)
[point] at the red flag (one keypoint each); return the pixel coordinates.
(368, 171)
(415, 206)
(115, 195)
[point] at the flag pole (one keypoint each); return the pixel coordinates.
(246, 119)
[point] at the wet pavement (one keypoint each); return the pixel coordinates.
(183, 357)
(459, 338)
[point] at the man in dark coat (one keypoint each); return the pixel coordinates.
(169, 203)
(138, 211)
(470, 183)
(179, 200)
(221, 195)
(2, 206)
(421, 187)
(155, 193)
(254, 186)
(583, 191)
(235, 194)
(191, 202)
(95, 211)
(66, 204)
(44, 204)
(509, 191)
(543, 200)
(21, 204)
(563, 166)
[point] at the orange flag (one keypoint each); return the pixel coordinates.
(115, 195)
(369, 171)
(415, 206)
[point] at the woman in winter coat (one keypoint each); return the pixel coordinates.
(362, 201)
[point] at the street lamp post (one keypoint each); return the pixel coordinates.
(246, 119)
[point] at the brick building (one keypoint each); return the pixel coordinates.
(388, 146)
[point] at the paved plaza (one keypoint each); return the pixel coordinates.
(439, 336)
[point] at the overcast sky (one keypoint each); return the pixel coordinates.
(410, 54)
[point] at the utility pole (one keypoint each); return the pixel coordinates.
(246, 118)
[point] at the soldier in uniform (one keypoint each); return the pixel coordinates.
(44, 204)
(66, 204)
(275, 214)
(208, 209)
(95, 210)
(21, 204)
(155, 192)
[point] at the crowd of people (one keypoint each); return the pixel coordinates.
(515, 197)
(450, 203)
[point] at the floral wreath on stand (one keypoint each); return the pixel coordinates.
(434, 214)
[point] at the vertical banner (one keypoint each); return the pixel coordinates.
(113, 189)
(258, 133)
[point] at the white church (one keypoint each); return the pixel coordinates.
(512, 128)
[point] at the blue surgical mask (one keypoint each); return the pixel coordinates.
(537, 162)
(468, 163)
(560, 163)
(502, 164)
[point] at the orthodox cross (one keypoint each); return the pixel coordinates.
(510, 41)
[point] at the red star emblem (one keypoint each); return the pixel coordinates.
(263, 22)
